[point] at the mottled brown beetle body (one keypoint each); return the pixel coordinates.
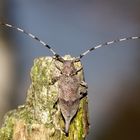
(69, 91)
(69, 96)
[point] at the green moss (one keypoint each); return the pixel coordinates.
(7, 130)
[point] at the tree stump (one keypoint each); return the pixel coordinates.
(39, 118)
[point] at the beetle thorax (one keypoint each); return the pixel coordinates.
(68, 68)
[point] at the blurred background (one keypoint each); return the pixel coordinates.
(71, 27)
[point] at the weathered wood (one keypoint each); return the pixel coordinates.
(39, 118)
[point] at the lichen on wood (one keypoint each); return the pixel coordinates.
(39, 118)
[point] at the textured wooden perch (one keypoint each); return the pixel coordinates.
(39, 118)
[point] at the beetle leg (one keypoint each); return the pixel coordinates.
(83, 89)
(54, 80)
(84, 84)
(77, 71)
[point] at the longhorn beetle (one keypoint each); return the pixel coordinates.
(69, 95)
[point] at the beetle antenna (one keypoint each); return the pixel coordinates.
(106, 44)
(32, 36)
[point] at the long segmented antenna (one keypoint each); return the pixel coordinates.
(32, 36)
(105, 44)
